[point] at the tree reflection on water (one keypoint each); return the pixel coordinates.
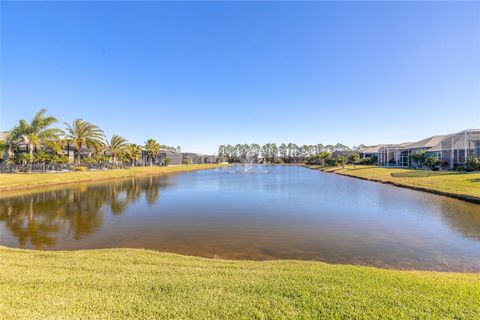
(38, 219)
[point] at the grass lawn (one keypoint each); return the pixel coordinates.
(458, 184)
(140, 284)
(30, 180)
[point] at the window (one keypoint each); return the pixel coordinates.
(477, 148)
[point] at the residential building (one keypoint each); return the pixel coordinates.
(454, 149)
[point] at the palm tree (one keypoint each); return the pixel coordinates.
(37, 132)
(115, 146)
(7, 146)
(134, 152)
(324, 155)
(152, 148)
(84, 134)
(342, 160)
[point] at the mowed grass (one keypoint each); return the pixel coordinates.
(31, 180)
(462, 184)
(141, 284)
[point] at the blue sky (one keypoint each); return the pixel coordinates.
(203, 74)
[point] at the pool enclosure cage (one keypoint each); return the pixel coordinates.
(393, 156)
(454, 149)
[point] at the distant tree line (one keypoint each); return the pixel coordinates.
(284, 153)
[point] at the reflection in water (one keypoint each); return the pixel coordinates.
(288, 213)
(38, 218)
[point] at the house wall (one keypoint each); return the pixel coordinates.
(176, 157)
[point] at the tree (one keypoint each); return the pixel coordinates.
(221, 151)
(359, 147)
(133, 153)
(115, 146)
(342, 160)
(473, 163)
(432, 163)
(354, 159)
(37, 132)
(418, 157)
(84, 134)
(324, 155)
(153, 149)
(7, 146)
(329, 148)
(283, 151)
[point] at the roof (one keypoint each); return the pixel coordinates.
(3, 135)
(372, 149)
(426, 143)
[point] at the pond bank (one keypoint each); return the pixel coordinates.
(16, 181)
(460, 185)
(149, 284)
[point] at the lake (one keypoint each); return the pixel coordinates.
(280, 212)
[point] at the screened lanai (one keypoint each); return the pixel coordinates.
(454, 149)
(393, 155)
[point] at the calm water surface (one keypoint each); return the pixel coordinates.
(287, 213)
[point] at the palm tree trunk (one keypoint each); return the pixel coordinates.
(30, 153)
(79, 149)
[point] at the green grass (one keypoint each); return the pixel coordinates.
(31, 180)
(458, 184)
(141, 284)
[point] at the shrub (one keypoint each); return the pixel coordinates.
(80, 168)
(62, 159)
(419, 158)
(90, 160)
(342, 160)
(369, 161)
(354, 159)
(443, 164)
(167, 161)
(278, 161)
(473, 163)
(432, 163)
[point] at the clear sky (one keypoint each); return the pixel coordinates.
(203, 74)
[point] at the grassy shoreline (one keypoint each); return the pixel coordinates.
(135, 283)
(460, 185)
(17, 181)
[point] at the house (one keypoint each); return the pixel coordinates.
(174, 156)
(369, 152)
(454, 149)
(208, 158)
(191, 158)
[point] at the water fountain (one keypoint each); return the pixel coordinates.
(247, 165)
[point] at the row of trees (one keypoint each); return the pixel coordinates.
(287, 153)
(46, 143)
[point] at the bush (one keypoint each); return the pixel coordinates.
(80, 168)
(369, 161)
(432, 163)
(278, 161)
(443, 164)
(90, 160)
(473, 163)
